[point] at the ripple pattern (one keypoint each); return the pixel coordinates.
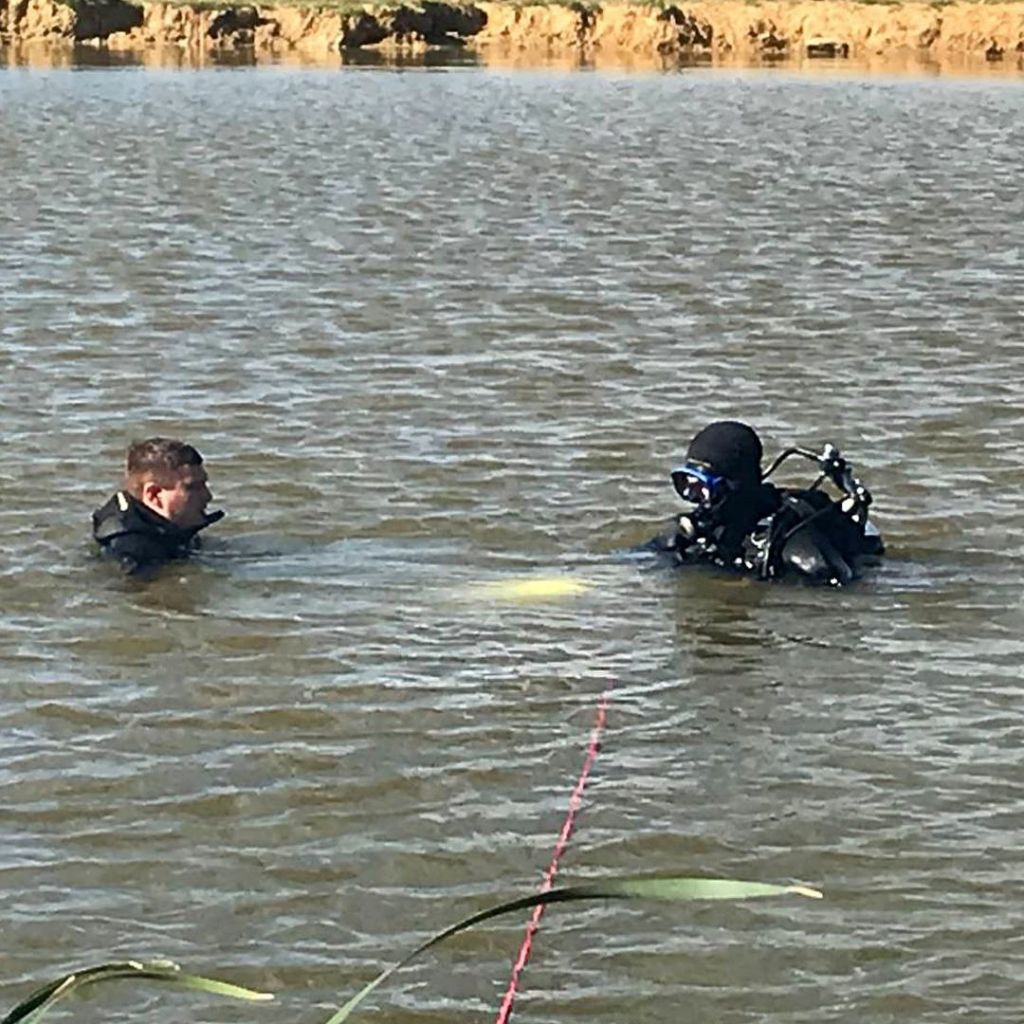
(436, 328)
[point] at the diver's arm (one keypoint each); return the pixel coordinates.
(674, 539)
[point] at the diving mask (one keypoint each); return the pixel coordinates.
(697, 484)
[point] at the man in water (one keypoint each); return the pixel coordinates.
(740, 521)
(160, 510)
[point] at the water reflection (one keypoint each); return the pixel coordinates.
(717, 623)
(436, 57)
(43, 55)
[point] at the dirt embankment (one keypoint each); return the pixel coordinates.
(711, 28)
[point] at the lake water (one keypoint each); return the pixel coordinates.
(437, 329)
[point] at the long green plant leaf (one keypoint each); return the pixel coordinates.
(666, 889)
(31, 1009)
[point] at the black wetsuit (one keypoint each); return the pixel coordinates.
(139, 538)
(771, 532)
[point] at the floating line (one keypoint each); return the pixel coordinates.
(575, 800)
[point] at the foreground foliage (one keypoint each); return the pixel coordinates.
(31, 1009)
(165, 971)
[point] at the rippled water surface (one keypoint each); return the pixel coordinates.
(434, 330)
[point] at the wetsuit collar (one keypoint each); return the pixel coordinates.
(129, 505)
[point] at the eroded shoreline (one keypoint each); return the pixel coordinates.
(722, 31)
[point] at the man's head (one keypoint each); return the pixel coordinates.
(168, 477)
(724, 456)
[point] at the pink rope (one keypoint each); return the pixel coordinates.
(575, 800)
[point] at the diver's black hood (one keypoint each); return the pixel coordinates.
(730, 449)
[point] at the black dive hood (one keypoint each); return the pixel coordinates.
(722, 458)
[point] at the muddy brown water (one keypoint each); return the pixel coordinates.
(437, 329)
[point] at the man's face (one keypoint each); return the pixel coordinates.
(182, 498)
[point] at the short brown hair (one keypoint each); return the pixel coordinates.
(158, 457)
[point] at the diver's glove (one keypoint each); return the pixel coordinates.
(693, 533)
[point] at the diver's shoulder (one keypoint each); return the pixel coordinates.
(133, 535)
(806, 499)
(114, 517)
(124, 513)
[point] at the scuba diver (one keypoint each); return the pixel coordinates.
(741, 521)
(158, 514)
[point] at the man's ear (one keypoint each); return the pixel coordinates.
(152, 496)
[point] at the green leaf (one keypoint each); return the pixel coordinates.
(31, 1009)
(667, 889)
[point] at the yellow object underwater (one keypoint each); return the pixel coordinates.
(543, 588)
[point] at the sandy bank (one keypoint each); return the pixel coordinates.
(717, 29)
